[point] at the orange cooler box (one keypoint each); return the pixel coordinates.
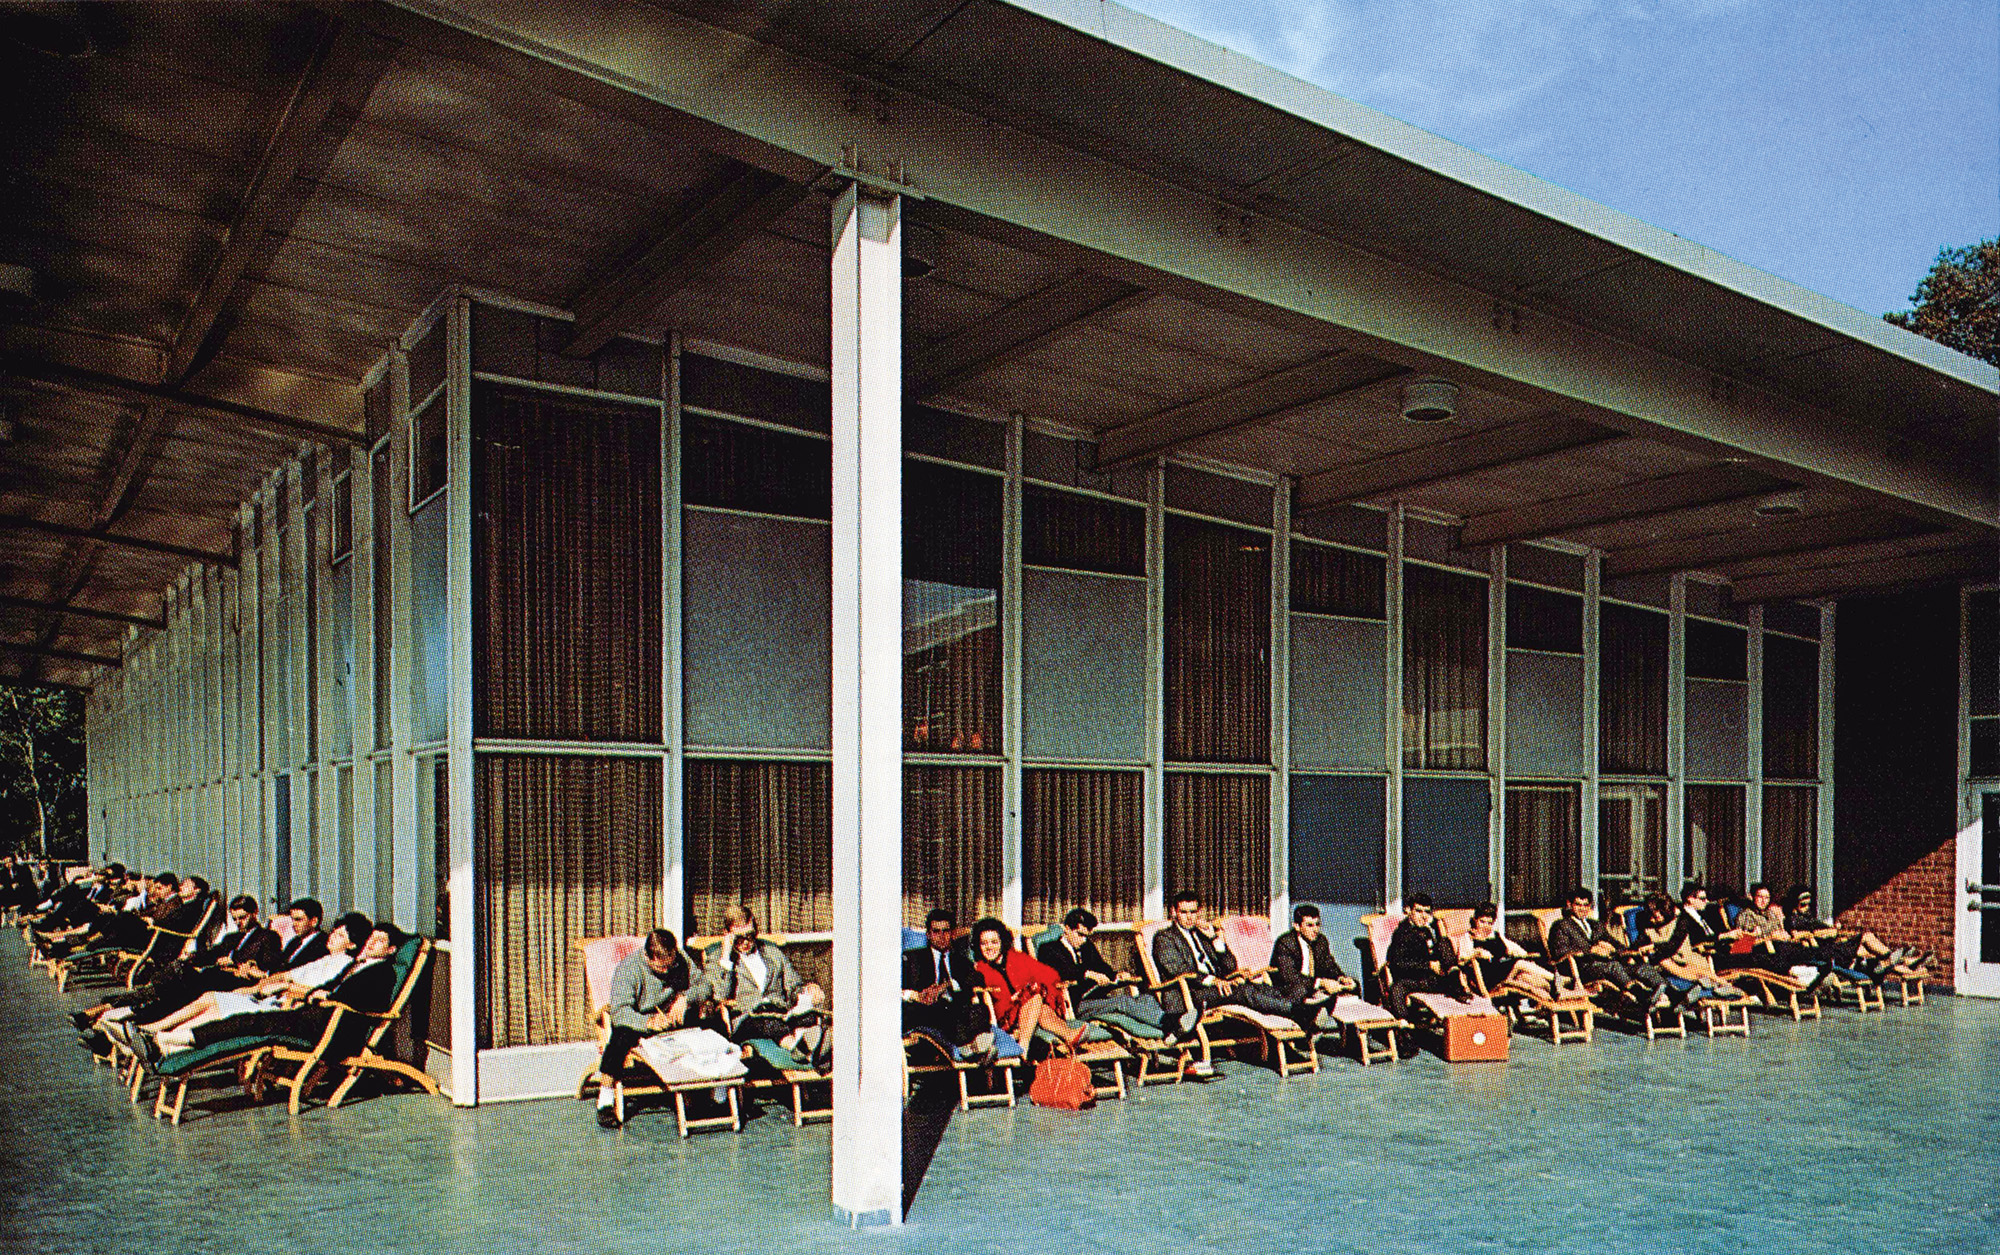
(1470, 1038)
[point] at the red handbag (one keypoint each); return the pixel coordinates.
(1063, 1082)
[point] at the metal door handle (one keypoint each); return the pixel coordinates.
(1973, 886)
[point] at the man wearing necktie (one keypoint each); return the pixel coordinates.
(938, 981)
(1196, 948)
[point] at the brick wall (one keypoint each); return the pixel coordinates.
(1914, 908)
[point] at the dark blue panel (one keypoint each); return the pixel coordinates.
(1445, 840)
(1337, 825)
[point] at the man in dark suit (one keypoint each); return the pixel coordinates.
(1094, 988)
(308, 942)
(938, 981)
(1193, 947)
(1597, 952)
(1305, 969)
(1421, 958)
(244, 955)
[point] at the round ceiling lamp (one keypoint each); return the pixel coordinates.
(1430, 401)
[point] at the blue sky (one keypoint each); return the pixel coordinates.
(1838, 143)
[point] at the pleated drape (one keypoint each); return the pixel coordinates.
(759, 834)
(1218, 642)
(951, 842)
(1082, 844)
(566, 568)
(569, 847)
(1632, 840)
(1330, 580)
(1444, 670)
(1544, 844)
(1715, 834)
(1219, 840)
(1791, 822)
(951, 602)
(1791, 708)
(1632, 692)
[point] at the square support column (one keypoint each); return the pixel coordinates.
(867, 371)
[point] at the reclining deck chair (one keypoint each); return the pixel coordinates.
(1279, 1041)
(1655, 1022)
(124, 963)
(925, 1054)
(1719, 1015)
(1433, 1011)
(259, 1056)
(1568, 1017)
(785, 1070)
(1142, 1043)
(601, 957)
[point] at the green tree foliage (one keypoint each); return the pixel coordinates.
(42, 803)
(1958, 303)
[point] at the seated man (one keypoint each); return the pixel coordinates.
(938, 981)
(242, 954)
(1308, 973)
(649, 994)
(1095, 989)
(90, 895)
(161, 903)
(1599, 957)
(175, 1030)
(308, 942)
(773, 1002)
(1421, 958)
(1196, 948)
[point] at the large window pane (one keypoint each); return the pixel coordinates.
(1219, 840)
(737, 466)
(1632, 692)
(1445, 840)
(1444, 670)
(1544, 844)
(1714, 833)
(1083, 667)
(565, 567)
(1080, 533)
(756, 630)
(1081, 844)
(1791, 848)
(1330, 580)
(1791, 708)
(1218, 677)
(1337, 830)
(1337, 693)
(951, 842)
(951, 610)
(759, 834)
(1544, 714)
(1717, 730)
(1631, 841)
(1543, 620)
(569, 847)
(430, 638)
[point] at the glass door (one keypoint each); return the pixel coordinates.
(1978, 933)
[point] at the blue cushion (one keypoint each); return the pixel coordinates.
(912, 937)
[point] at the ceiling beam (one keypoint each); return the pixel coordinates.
(1277, 393)
(1620, 504)
(203, 406)
(1764, 539)
(747, 201)
(1980, 562)
(1017, 328)
(339, 76)
(34, 650)
(1845, 555)
(87, 612)
(18, 522)
(1447, 459)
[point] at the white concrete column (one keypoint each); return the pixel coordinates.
(1674, 874)
(1496, 725)
(1753, 793)
(1392, 706)
(1823, 840)
(1154, 825)
(867, 376)
(458, 720)
(1593, 588)
(1281, 700)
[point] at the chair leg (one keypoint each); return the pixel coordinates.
(681, 1111)
(340, 1091)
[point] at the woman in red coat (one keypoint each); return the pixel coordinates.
(1027, 993)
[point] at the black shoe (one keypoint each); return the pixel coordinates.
(607, 1116)
(148, 1048)
(81, 1019)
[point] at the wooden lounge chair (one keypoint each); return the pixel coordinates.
(1782, 991)
(601, 957)
(1435, 1013)
(259, 1059)
(1278, 1040)
(124, 963)
(927, 1054)
(1655, 1022)
(1158, 1060)
(784, 1070)
(1567, 1016)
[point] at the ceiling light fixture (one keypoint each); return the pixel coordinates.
(1430, 401)
(1781, 505)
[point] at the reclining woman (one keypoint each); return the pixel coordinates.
(175, 1031)
(1860, 951)
(1499, 958)
(1676, 938)
(1027, 993)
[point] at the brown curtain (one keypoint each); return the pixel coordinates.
(951, 605)
(1219, 840)
(951, 842)
(1218, 657)
(569, 847)
(1714, 821)
(759, 834)
(1544, 844)
(1328, 580)
(1079, 533)
(1082, 844)
(1791, 708)
(1632, 692)
(566, 568)
(1444, 670)
(1631, 840)
(1791, 821)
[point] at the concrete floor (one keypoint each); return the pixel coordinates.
(1874, 1133)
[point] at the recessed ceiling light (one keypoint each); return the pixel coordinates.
(1430, 400)
(1781, 505)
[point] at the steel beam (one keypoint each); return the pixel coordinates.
(18, 522)
(87, 612)
(1800, 535)
(63, 655)
(1014, 329)
(1623, 503)
(1447, 459)
(1279, 392)
(60, 374)
(1981, 563)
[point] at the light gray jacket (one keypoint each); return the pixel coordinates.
(725, 980)
(637, 991)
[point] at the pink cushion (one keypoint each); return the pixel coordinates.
(1456, 921)
(1380, 929)
(1250, 938)
(1142, 936)
(1444, 1007)
(601, 957)
(282, 925)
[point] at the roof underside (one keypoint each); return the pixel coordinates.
(247, 204)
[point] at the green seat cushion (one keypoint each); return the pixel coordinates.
(1042, 938)
(1138, 1028)
(774, 1054)
(182, 1062)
